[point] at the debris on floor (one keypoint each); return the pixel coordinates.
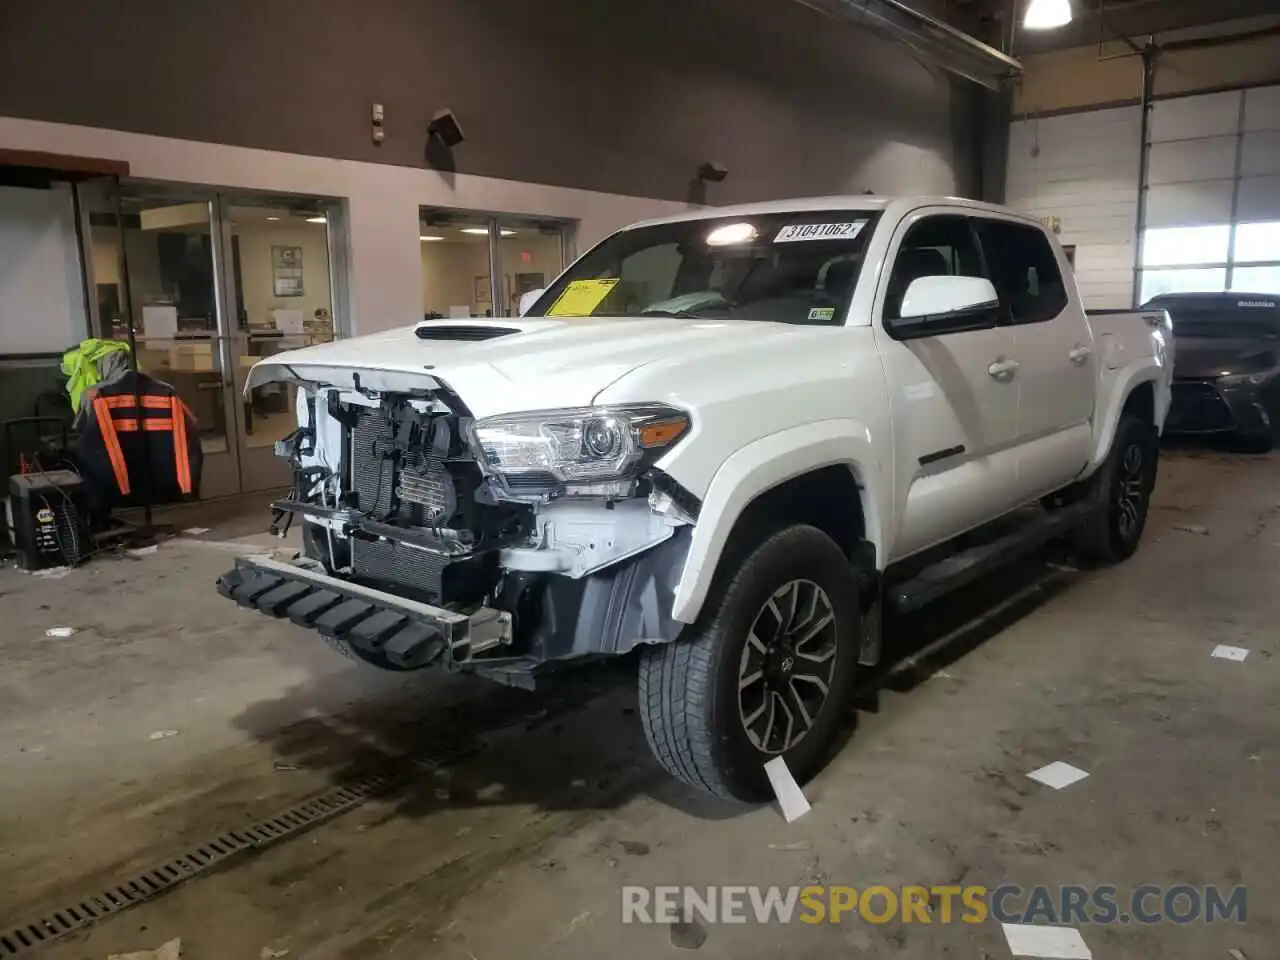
(59, 633)
(1192, 528)
(195, 531)
(269, 954)
(143, 551)
(634, 848)
(1235, 954)
(1046, 943)
(791, 799)
(798, 845)
(51, 573)
(163, 734)
(688, 935)
(167, 951)
(1058, 775)
(1225, 651)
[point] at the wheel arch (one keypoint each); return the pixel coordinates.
(1137, 389)
(815, 474)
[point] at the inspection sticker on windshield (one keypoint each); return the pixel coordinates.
(581, 297)
(795, 232)
(822, 313)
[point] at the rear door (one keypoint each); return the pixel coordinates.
(1053, 346)
(954, 404)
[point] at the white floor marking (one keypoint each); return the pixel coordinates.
(1058, 775)
(1046, 943)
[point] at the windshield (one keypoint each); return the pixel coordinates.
(1223, 315)
(785, 268)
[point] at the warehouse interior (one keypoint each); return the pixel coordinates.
(217, 184)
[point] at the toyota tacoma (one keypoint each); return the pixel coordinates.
(730, 440)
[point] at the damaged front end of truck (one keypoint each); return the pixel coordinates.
(502, 545)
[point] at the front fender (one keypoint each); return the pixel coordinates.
(761, 466)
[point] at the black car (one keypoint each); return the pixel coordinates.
(1226, 369)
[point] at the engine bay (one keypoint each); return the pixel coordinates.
(405, 507)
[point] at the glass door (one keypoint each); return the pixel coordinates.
(531, 253)
(279, 282)
(474, 261)
(173, 298)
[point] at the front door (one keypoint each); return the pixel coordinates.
(954, 396)
(1052, 343)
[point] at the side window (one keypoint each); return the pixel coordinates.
(934, 247)
(1024, 270)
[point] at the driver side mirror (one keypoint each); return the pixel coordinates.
(945, 304)
(527, 300)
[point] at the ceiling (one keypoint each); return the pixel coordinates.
(1115, 18)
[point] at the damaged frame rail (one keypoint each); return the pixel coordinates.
(393, 632)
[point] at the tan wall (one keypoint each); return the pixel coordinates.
(1076, 78)
(257, 282)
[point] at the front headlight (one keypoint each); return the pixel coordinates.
(1246, 379)
(577, 447)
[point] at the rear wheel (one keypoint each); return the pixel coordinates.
(767, 671)
(1122, 492)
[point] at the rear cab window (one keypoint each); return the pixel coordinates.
(1024, 269)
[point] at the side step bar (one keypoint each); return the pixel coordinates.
(961, 569)
(381, 628)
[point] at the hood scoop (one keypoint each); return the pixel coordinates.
(461, 331)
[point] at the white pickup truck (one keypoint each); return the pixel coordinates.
(730, 439)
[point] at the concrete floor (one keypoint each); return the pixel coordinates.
(522, 846)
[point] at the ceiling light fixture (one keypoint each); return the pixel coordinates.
(1047, 14)
(484, 231)
(428, 238)
(320, 219)
(273, 218)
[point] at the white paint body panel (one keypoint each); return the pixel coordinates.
(770, 402)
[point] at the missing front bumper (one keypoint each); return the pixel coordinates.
(380, 628)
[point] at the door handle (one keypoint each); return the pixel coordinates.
(1079, 355)
(1003, 369)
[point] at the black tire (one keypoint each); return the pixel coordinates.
(690, 698)
(1122, 493)
(1255, 443)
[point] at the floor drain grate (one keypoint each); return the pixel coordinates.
(196, 860)
(22, 940)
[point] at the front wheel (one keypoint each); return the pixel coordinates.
(767, 671)
(1122, 494)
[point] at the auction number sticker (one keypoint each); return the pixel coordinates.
(795, 232)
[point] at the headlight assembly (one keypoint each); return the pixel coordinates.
(1246, 379)
(577, 448)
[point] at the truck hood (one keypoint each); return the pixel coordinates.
(511, 365)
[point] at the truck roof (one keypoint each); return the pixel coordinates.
(851, 202)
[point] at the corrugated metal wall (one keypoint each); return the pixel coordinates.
(1213, 208)
(1083, 169)
(1213, 196)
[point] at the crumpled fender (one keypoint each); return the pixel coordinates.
(763, 465)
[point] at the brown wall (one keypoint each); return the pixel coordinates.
(599, 94)
(1076, 78)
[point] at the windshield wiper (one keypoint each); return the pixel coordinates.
(692, 313)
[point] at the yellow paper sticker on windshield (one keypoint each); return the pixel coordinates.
(581, 297)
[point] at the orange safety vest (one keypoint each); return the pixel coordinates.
(158, 413)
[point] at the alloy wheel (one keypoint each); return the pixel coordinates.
(787, 664)
(1130, 491)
